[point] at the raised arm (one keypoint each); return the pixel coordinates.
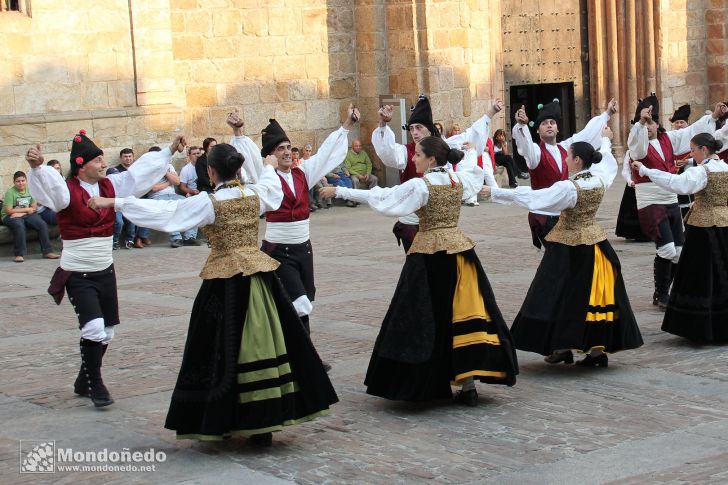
(638, 141)
(477, 135)
(146, 171)
(524, 142)
(45, 183)
(253, 164)
(607, 169)
(627, 169)
(592, 132)
(680, 139)
(391, 153)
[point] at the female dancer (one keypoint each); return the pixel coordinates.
(443, 325)
(698, 304)
(248, 366)
(577, 300)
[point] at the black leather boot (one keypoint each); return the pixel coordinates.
(663, 278)
(91, 356)
(79, 387)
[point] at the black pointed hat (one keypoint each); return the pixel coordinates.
(550, 111)
(422, 114)
(272, 136)
(682, 113)
(650, 100)
(83, 150)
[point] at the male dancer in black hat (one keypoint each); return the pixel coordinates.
(547, 160)
(420, 125)
(86, 271)
(287, 236)
(657, 208)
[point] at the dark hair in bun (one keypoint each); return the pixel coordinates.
(586, 153)
(706, 140)
(434, 146)
(225, 160)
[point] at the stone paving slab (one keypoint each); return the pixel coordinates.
(658, 414)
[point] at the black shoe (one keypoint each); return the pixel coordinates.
(327, 366)
(600, 361)
(523, 175)
(558, 357)
(265, 439)
(91, 356)
(514, 185)
(191, 242)
(115, 246)
(469, 398)
(177, 243)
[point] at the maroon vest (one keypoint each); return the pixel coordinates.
(77, 221)
(723, 155)
(653, 159)
(547, 172)
(294, 207)
(410, 171)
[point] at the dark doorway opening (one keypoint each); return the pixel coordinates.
(530, 96)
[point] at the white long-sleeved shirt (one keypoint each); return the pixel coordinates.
(197, 211)
(638, 143)
(563, 194)
(394, 155)
(50, 189)
(692, 180)
(722, 135)
(329, 156)
(627, 169)
(592, 134)
(410, 196)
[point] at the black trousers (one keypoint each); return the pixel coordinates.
(296, 269)
(93, 295)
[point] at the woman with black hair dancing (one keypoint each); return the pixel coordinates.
(248, 367)
(443, 325)
(577, 300)
(698, 305)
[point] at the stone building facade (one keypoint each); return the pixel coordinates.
(134, 72)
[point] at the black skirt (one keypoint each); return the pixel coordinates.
(238, 382)
(559, 311)
(628, 223)
(698, 305)
(423, 346)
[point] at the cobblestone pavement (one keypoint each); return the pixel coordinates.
(658, 414)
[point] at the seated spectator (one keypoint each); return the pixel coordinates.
(503, 159)
(126, 159)
(45, 213)
(164, 190)
(340, 177)
(455, 130)
(20, 210)
(314, 201)
(359, 166)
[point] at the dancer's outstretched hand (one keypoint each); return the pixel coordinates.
(496, 107)
(646, 115)
(485, 192)
(385, 114)
(327, 192)
(34, 156)
(636, 165)
(720, 110)
(612, 107)
(178, 144)
(352, 116)
(521, 117)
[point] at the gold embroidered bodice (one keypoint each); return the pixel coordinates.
(234, 240)
(439, 229)
(709, 208)
(577, 225)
